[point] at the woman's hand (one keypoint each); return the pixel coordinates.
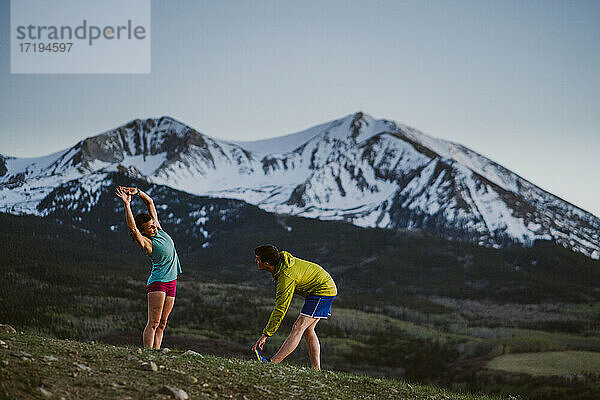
(122, 195)
(129, 190)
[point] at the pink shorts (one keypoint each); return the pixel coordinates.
(167, 287)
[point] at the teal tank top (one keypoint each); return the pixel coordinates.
(165, 262)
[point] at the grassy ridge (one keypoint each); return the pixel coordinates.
(91, 370)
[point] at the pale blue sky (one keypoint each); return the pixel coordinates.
(517, 81)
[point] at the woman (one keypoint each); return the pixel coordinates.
(160, 289)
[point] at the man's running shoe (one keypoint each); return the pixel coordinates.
(260, 357)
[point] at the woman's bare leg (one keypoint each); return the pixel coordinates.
(167, 307)
(155, 307)
(313, 346)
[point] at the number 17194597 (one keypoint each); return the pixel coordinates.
(45, 47)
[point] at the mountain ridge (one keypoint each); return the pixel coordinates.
(370, 172)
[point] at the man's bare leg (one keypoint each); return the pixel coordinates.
(293, 339)
(313, 346)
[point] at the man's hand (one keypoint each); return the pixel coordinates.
(260, 342)
(129, 190)
(122, 195)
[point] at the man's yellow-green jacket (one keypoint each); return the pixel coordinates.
(300, 276)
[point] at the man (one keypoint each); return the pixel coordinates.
(308, 280)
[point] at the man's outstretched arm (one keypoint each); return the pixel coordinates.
(285, 293)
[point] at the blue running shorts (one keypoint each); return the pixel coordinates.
(317, 306)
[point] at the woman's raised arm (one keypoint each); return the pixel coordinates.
(143, 242)
(146, 199)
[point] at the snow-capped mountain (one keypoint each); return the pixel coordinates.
(369, 172)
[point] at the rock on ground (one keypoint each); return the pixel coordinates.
(82, 367)
(7, 328)
(45, 394)
(174, 392)
(149, 366)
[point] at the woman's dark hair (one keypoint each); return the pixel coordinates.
(142, 219)
(268, 254)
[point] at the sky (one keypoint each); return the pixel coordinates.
(517, 81)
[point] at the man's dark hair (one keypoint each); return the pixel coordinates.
(142, 219)
(268, 254)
